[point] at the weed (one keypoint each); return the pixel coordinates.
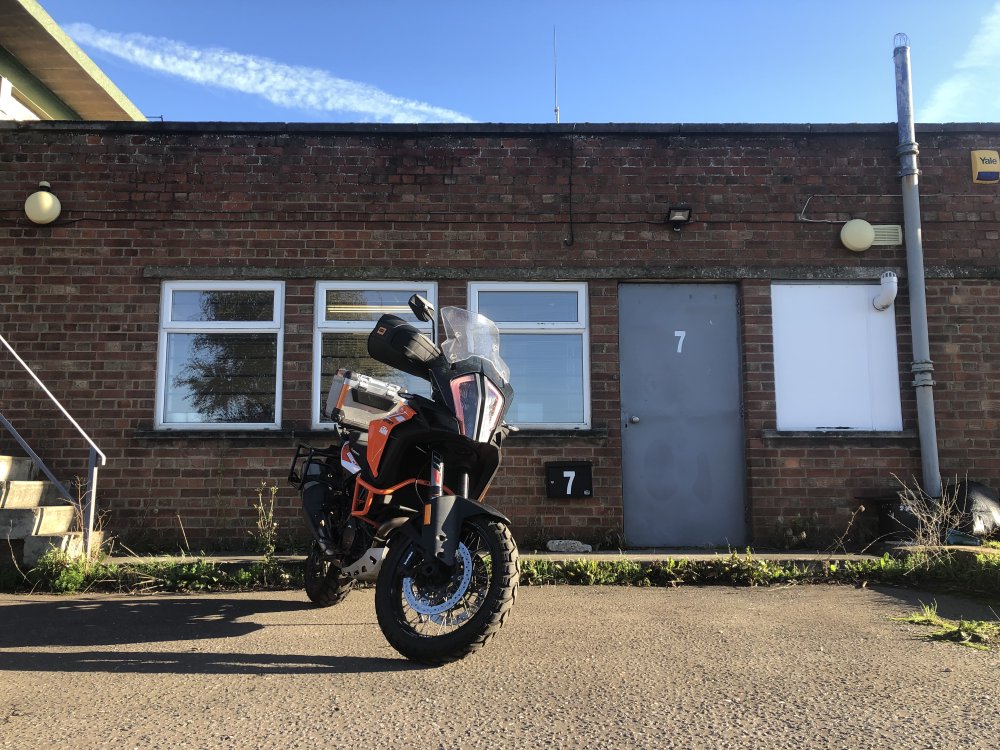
(950, 570)
(954, 571)
(80, 517)
(60, 573)
(976, 634)
(267, 572)
(265, 535)
(932, 517)
(184, 536)
(796, 532)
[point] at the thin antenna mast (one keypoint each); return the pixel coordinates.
(555, 73)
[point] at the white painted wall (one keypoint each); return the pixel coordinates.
(10, 107)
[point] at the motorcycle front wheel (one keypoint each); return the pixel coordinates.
(325, 586)
(436, 615)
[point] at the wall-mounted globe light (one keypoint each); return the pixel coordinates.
(42, 206)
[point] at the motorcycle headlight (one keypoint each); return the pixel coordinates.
(478, 406)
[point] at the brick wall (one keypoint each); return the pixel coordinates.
(144, 203)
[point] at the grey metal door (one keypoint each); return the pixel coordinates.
(682, 430)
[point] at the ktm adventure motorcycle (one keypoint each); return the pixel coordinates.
(398, 498)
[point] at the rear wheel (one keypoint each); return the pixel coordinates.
(436, 615)
(325, 586)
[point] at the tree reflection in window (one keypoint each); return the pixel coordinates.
(229, 376)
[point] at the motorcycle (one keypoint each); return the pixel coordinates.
(398, 498)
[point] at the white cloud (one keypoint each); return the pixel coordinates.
(971, 93)
(292, 86)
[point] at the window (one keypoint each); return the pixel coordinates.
(835, 364)
(219, 363)
(346, 312)
(544, 339)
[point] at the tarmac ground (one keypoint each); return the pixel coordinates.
(597, 667)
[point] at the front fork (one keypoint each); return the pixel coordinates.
(440, 537)
(444, 514)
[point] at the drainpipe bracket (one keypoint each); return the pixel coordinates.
(922, 377)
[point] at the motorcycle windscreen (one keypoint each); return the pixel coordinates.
(396, 343)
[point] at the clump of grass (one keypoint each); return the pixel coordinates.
(59, 573)
(977, 634)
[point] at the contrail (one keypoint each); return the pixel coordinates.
(971, 93)
(293, 86)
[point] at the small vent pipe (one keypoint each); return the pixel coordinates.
(887, 295)
(922, 367)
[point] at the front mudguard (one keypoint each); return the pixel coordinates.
(442, 525)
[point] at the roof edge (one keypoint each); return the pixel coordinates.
(81, 59)
(653, 129)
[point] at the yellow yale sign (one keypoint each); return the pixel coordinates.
(985, 167)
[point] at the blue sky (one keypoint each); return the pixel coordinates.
(618, 61)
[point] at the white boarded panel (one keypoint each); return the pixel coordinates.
(835, 364)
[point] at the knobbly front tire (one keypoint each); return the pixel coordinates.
(325, 586)
(435, 621)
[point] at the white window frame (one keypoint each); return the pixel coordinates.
(581, 326)
(167, 326)
(427, 289)
(809, 368)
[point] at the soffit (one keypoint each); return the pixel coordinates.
(30, 35)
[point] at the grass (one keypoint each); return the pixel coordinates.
(973, 574)
(977, 634)
(953, 571)
(58, 573)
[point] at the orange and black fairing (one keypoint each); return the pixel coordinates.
(398, 445)
(379, 432)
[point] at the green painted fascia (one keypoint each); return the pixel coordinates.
(40, 97)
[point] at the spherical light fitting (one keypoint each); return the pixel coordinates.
(42, 206)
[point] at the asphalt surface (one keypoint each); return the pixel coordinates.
(600, 667)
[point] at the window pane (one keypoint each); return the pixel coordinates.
(546, 371)
(350, 352)
(368, 304)
(220, 377)
(529, 307)
(188, 305)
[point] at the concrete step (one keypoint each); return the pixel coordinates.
(17, 467)
(28, 493)
(34, 517)
(21, 523)
(70, 543)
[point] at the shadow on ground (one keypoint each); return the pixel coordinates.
(192, 622)
(166, 662)
(949, 606)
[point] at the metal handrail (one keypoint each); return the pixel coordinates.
(90, 505)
